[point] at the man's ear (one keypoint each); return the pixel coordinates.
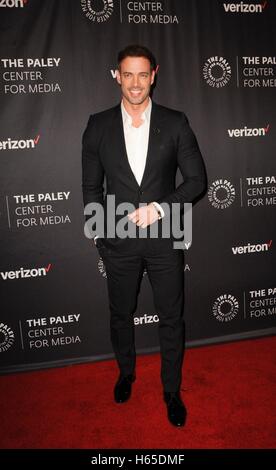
(118, 76)
(152, 78)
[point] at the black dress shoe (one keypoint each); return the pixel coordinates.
(122, 390)
(177, 412)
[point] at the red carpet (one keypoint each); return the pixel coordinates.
(229, 391)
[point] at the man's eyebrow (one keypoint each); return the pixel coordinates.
(147, 73)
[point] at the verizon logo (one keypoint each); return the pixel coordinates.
(12, 3)
(23, 273)
(10, 144)
(244, 7)
(248, 132)
(242, 250)
(145, 319)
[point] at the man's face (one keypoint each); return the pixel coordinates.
(135, 78)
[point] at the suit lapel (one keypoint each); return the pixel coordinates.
(153, 145)
(119, 138)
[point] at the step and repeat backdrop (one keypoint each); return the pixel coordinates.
(216, 63)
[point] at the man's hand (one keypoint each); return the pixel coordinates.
(144, 216)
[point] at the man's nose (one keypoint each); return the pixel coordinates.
(135, 80)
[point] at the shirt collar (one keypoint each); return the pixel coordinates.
(145, 114)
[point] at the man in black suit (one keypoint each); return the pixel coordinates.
(138, 146)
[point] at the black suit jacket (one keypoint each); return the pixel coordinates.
(172, 144)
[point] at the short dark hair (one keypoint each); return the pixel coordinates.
(135, 50)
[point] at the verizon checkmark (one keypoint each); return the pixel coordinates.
(48, 267)
(266, 128)
(36, 139)
(269, 243)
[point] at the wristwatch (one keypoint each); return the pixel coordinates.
(158, 210)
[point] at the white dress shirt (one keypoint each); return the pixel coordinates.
(137, 140)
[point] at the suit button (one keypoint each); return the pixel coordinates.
(141, 192)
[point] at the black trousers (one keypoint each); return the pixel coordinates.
(165, 269)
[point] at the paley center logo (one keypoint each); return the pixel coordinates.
(216, 72)
(225, 308)
(6, 337)
(12, 3)
(101, 267)
(221, 194)
(21, 144)
(249, 132)
(102, 270)
(97, 10)
(24, 273)
(249, 248)
(244, 7)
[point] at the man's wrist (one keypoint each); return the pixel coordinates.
(158, 209)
